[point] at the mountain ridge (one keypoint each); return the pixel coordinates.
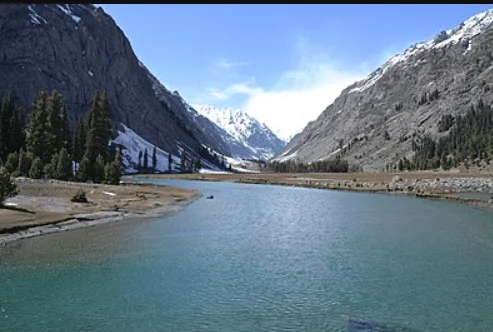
(374, 121)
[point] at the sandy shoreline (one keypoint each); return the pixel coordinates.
(50, 211)
(89, 220)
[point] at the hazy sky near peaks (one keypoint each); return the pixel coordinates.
(282, 64)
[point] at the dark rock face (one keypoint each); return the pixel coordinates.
(78, 49)
(206, 131)
(457, 63)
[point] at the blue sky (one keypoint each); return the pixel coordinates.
(282, 64)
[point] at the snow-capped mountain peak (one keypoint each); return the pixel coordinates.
(252, 138)
(235, 121)
(464, 32)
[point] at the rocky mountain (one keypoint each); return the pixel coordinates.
(246, 136)
(79, 49)
(205, 130)
(374, 121)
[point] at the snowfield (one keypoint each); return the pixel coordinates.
(133, 143)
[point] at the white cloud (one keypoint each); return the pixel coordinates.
(218, 94)
(300, 95)
(287, 111)
(226, 64)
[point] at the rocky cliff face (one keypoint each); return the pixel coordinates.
(374, 120)
(78, 49)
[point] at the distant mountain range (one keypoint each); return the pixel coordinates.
(246, 136)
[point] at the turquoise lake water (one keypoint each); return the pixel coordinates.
(260, 258)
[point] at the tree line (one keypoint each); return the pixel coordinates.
(187, 165)
(469, 140)
(50, 149)
(144, 163)
(336, 165)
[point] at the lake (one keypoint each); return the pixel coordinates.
(260, 258)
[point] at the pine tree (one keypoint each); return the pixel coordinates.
(50, 169)
(12, 134)
(5, 115)
(78, 142)
(443, 161)
(36, 170)
(39, 139)
(112, 170)
(65, 130)
(106, 118)
(98, 170)
(93, 125)
(111, 152)
(197, 163)
(108, 173)
(118, 158)
(17, 130)
(60, 133)
(64, 166)
(170, 162)
(146, 162)
(98, 135)
(85, 170)
(7, 187)
(98, 128)
(401, 165)
(117, 166)
(140, 159)
(24, 164)
(182, 163)
(154, 158)
(4, 137)
(12, 162)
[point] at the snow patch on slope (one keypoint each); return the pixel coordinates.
(285, 158)
(242, 166)
(208, 171)
(35, 17)
(66, 9)
(132, 144)
(333, 153)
